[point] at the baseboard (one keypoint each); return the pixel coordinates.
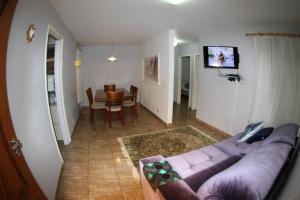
(79, 113)
(167, 124)
(212, 127)
(59, 180)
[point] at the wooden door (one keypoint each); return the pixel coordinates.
(16, 180)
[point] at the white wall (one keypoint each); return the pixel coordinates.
(26, 82)
(158, 98)
(79, 84)
(221, 103)
(96, 70)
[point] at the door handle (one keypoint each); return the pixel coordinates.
(16, 146)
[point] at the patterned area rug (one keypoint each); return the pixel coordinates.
(167, 143)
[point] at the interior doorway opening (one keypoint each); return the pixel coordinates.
(54, 86)
(51, 88)
(188, 80)
(185, 81)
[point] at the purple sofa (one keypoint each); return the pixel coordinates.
(226, 170)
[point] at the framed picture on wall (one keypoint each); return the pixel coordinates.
(151, 70)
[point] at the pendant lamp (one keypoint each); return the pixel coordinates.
(112, 58)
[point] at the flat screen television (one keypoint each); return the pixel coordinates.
(221, 57)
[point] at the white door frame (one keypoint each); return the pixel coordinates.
(179, 76)
(194, 80)
(58, 65)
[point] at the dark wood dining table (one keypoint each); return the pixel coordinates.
(101, 95)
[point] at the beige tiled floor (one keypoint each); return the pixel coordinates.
(95, 167)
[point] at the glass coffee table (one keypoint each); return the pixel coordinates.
(160, 173)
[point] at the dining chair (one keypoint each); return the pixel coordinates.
(114, 104)
(132, 103)
(94, 105)
(111, 87)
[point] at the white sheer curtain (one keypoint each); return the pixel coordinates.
(277, 96)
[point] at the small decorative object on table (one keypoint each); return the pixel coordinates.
(160, 173)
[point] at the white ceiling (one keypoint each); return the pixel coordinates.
(96, 22)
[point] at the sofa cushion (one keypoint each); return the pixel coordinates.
(285, 133)
(260, 135)
(191, 162)
(232, 146)
(251, 130)
(257, 170)
(235, 189)
(197, 179)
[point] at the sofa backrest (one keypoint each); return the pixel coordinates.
(254, 174)
(285, 133)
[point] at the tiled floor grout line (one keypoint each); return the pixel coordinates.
(89, 141)
(117, 171)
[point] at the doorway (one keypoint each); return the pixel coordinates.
(188, 80)
(185, 80)
(51, 88)
(54, 87)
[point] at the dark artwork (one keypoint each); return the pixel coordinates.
(231, 190)
(151, 68)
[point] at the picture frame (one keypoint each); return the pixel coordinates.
(151, 69)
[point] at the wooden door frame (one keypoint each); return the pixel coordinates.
(6, 124)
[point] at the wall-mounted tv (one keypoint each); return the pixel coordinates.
(221, 57)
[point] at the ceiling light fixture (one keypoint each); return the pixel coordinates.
(175, 2)
(112, 58)
(175, 43)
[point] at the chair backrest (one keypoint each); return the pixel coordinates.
(89, 94)
(114, 98)
(133, 92)
(111, 87)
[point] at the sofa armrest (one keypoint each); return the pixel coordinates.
(178, 190)
(144, 161)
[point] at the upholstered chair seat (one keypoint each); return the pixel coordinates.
(128, 103)
(114, 108)
(98, 105)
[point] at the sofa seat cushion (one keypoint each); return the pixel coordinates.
(128, 103)
(114, 108)
(197, 179)
(191, 162)
(98, 105)
(255, 173)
